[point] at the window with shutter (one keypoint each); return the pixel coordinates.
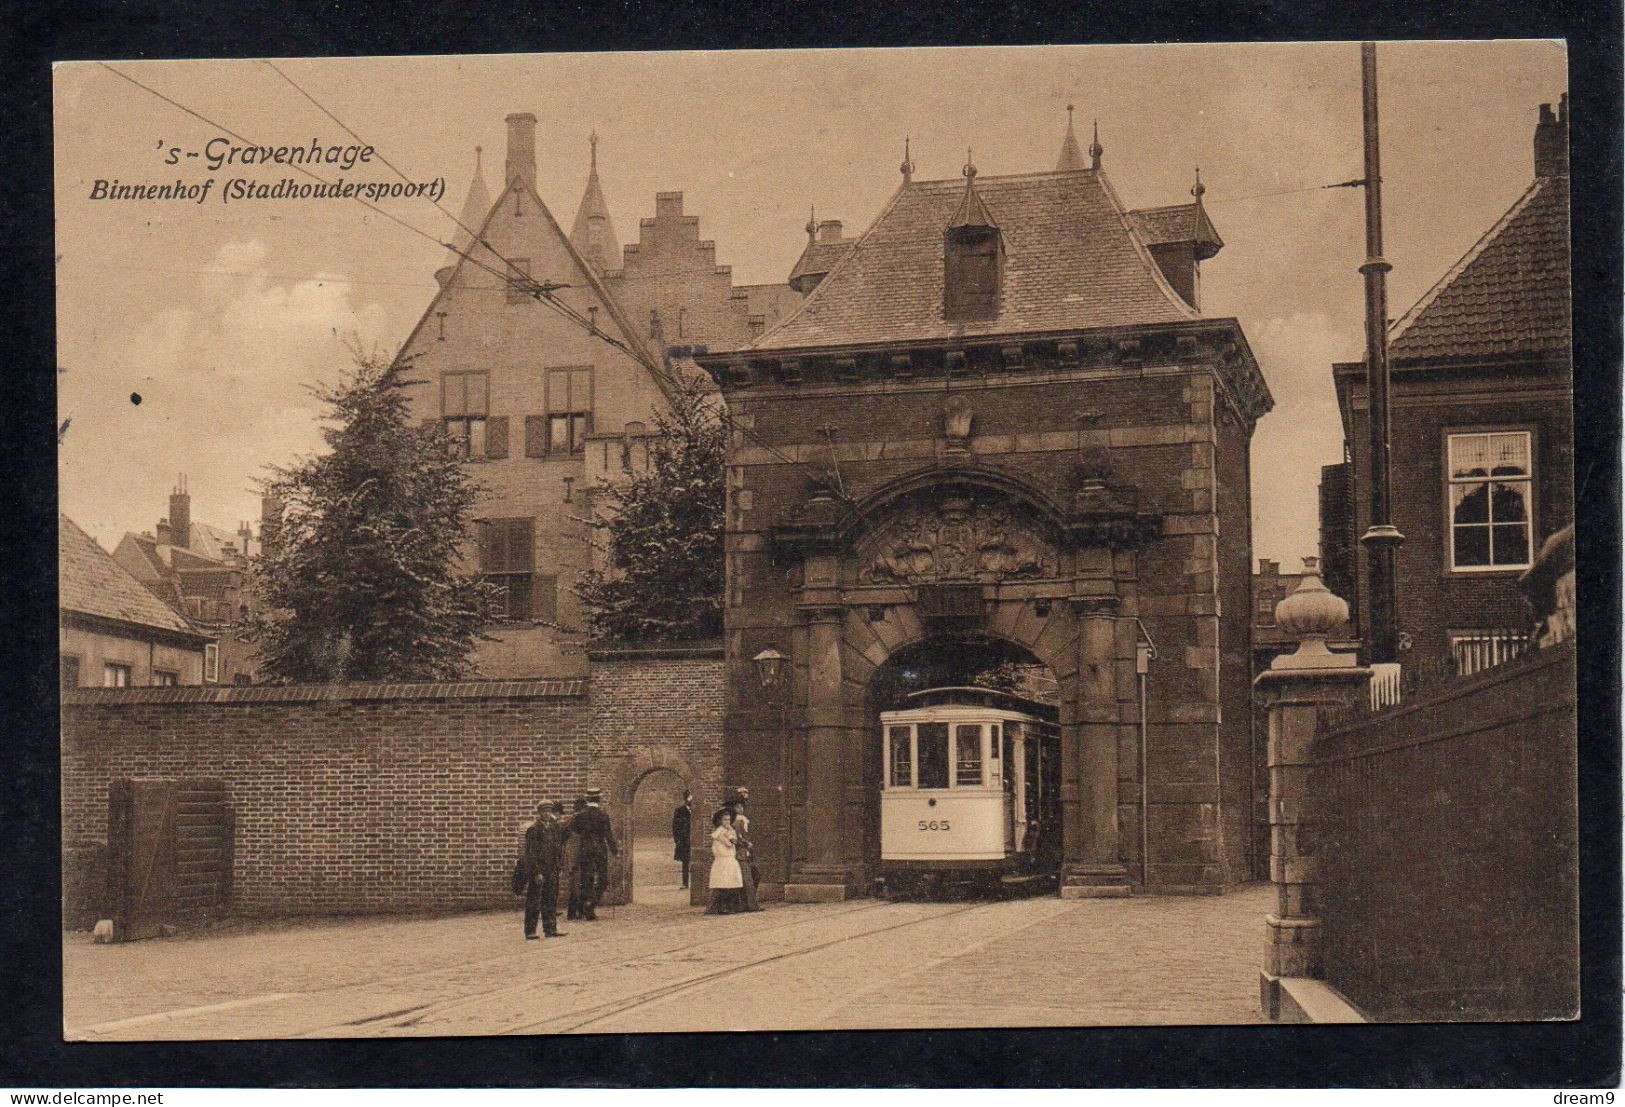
(535, 436)
(971, 264)
(569, 409)
(464, 406)
(507, 558)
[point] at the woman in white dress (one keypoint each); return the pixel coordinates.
(727, 882)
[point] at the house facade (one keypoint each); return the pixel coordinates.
(999, 429)
(113, 631)
(545, 398)
(1482, 454)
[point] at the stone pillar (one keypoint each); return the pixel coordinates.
(1294, 690)
(1092, 864)
(820, 875)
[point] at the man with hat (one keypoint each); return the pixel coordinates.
(538, 871)
(591, 827)
(570, 866)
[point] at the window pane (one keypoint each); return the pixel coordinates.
(933, 742)
(1509, 503)
(558, 390)
(1512, 544)
(1469, 503)
(1469, 455)
(581, 390)
(475, 444)
(902, 764)
(558, 433)
(1509, 454)
(578, 431)
(995, 755)
(1472, 546)
(477, 389)
(968, 760)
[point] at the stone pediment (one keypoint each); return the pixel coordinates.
(955, 538)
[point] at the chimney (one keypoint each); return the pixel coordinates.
(829, 230)
(521, 165)
(1552, 140)
(180, 516)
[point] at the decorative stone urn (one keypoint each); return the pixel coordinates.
(1310, 614)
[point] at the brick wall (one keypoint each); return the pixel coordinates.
(378, 798)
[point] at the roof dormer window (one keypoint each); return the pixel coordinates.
(972, 260)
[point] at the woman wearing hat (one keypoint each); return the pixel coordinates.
(727, 883)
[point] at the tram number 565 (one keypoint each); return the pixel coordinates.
(934, 824)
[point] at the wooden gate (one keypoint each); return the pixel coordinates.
(170, 846)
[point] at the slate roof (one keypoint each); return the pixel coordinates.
(1508, 295)
(820, 257)
(1071, 263)
(1174, 223)
(90, 582)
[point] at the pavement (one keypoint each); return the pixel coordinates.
(661, 965)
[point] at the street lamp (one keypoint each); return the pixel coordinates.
(769, 667)
(769, 671)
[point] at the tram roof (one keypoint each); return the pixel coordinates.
(972, 696)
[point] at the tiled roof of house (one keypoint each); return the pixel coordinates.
(1175, 223)
(1071, 262)
(1508, 295)
(92, 583)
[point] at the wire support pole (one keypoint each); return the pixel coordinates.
(1382, 539)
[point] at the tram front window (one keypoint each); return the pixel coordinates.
(902, 761)
(933, 742)
(968, 764)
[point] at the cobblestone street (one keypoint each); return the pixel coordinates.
(661, 965)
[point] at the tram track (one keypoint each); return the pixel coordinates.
(654, 995)
(435, 1010)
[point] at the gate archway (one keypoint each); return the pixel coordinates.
(631, 770)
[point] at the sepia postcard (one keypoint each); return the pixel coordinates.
(1070, 536)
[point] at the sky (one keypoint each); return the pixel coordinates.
(221, 317)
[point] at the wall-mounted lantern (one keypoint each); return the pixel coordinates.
(769, 667)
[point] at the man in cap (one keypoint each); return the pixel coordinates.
(539, 870)
(597, 837)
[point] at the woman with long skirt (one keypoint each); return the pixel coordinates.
(727, 882)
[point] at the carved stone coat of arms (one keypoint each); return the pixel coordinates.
(955, 539)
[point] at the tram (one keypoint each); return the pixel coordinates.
(971, 792)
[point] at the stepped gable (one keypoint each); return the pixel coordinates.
(1071, 262)
(92, 583)
(1509, 295)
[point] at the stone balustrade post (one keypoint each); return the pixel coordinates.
(1294, 690)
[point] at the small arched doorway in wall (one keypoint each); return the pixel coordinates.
(947, 661)
(655, 877)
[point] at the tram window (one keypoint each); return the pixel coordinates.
(995, 754)
(902, 760)
(933, 742)
(968, 764)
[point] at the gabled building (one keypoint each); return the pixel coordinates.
(1481, 403)
(205, 574)
(998, 429)
(114, 632)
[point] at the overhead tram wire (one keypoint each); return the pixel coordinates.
(539, 291)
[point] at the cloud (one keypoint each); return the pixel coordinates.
(224, 385)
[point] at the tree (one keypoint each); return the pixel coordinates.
(361, 582)
(661, 531)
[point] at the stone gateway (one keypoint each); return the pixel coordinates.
(999, 432)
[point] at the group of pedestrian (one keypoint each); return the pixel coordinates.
(574, 849)
(734, 876)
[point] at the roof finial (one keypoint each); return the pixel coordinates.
(812, 222)
(1198, 189)
(908, 163)
(970, 167)
(478, 150)
(592, 140)
(1071, 157)
(1095, 148)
